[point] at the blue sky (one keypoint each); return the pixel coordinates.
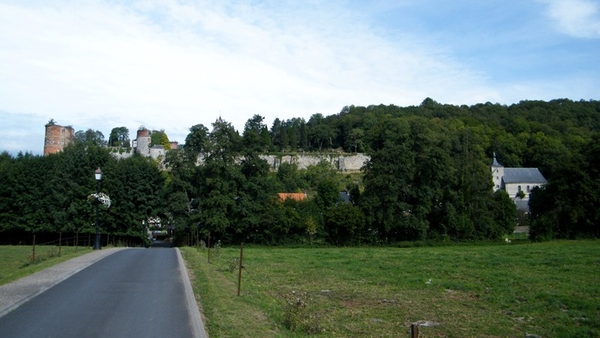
(171, 64)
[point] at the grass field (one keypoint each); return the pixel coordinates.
(17, 261)
(548, 289)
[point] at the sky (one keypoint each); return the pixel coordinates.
(172, 64)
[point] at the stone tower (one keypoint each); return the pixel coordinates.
(143, 141)
(57, 137)
(497, 173)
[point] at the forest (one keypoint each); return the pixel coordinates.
(428, 178)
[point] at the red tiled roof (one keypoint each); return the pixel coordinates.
(292, 195)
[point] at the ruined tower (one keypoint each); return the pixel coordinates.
(57, 137)
(143, 141)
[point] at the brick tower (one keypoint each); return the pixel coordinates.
(57, 137)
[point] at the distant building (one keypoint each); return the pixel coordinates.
(345, 197)
(57, 137)
(517, 182)
(283, 196)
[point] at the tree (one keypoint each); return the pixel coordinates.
(355, 139)
(327, 194)
(196, 142)
(119, 137)
(160, 138)
(224, 141)
(319, 131)
(90, 137)
(343, 222)
(253, 134)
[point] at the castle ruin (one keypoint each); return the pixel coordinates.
(57, 137)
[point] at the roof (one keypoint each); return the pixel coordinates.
(495, 163)
(523, 175)
(292, 195)
(344, 197)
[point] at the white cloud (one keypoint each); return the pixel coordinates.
(170, 64)
(577, 18)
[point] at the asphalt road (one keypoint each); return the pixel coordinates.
(131, 293)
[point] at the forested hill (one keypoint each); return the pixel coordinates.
(428, 178)
(526, 134)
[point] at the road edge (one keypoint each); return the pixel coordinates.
(17, 293)
(193, 310)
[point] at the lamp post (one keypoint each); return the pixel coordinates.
(144, 233)
(98, 175)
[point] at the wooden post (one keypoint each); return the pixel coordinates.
(240, 270)
(33, 252)
(414, 330)
(59, 243)
(208, 248)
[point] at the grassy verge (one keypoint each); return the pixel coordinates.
(17, 261)
(549, 289)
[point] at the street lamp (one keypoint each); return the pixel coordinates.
(98, 174)
(144, 233)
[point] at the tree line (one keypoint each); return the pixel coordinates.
(428, 178)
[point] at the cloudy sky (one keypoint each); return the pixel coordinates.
(171, 64)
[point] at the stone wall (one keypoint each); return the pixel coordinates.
(340, 162)
(343, 162)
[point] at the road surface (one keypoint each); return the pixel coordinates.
(131, 293)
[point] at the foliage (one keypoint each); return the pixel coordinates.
(90, 137)
(119, 137)
(159, 137)
(298, 315)
(428, 177)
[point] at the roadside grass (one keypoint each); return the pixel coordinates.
(17, 261)
(549, 289)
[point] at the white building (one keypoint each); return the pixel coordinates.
(517, 182)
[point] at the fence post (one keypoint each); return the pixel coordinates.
(208, 248)
(240, 270)
(414, 330)
(33, 252)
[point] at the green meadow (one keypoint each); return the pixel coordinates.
(549, 289)
(18, 261)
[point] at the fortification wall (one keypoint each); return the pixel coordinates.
(342, 163)
(345, 162)
(121, 153)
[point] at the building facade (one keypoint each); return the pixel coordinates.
(517, 182)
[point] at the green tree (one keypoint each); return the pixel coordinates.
(253, 138)
(90, 137)
(196, 142)
(343, 223)
(159, 138)
(119, 137)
